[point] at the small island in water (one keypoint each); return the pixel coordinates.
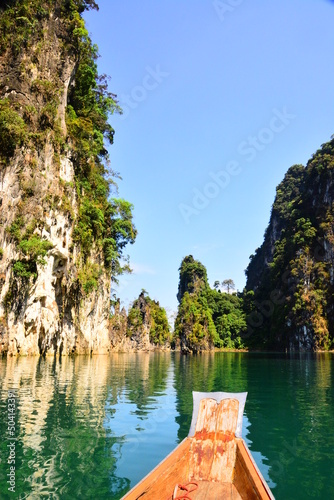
(64, 229)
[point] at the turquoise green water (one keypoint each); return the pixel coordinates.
(92, 427)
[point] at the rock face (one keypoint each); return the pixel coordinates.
(118, 328)
(145, 328)
(290, 279)
(194, 327)
(44, 307)
(49, 315)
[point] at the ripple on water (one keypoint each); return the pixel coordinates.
(89, 425)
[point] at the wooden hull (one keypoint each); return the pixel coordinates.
(247, 482)
(218, 462)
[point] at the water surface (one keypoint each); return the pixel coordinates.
(91, 427)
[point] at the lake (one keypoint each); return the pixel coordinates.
(91, 427)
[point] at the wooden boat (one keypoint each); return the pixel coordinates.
(213, 462)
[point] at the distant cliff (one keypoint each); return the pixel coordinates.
(290, 279)
(207, 318)
(144, 328)
(62, 230)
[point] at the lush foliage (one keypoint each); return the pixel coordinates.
(193, 277)
(32, 247)
(194, 325)
(19, 24)
(102, 224)
(102, 221)
(206, 317)
(89, 276)
(146, 315)
(289, 298)
(12, 129)
(160, 329)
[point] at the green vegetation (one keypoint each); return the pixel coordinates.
(12, 130)
(102, 223)
(289, 295)
(31, 246)
(89, 276)
(15, 228)
(160, 330)
(34, 250)
(206, 317)
(147, 315)
(194, 325)
(17, 33)
(135, 320)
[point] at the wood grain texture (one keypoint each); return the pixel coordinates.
(227, 416)
(214, 457)
(224, 443)
(159, 484)
(206, 420)
(202, 448)
(213, 449)
(246, 477)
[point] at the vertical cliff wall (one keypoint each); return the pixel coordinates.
(61, 233)
(144, 328)
(290, 279)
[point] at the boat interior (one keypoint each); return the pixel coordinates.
(211, 464)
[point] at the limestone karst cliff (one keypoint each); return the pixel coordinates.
(144, 328)
(63, 229)
(207, 318)
(290, 279)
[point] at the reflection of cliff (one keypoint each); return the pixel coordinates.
(62, 442)
(315, 414)
(291, 420)
(141, 407)
(69, 420)
(89, 425)
(289, 413)
(34, 400)
(150, 383)
(141, 376)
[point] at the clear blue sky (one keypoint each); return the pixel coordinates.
(220, 98)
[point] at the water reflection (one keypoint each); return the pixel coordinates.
(290, 407)
(61, 447)
(93, 427)
(143, 412)
(80, 421)
(207, 372)
(212, 372)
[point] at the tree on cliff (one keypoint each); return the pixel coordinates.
(193, 276)
(228, 284)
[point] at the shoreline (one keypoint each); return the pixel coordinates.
(159, 349)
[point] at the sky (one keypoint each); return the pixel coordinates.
(219, 99)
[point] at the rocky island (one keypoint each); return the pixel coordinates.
(64, 228)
